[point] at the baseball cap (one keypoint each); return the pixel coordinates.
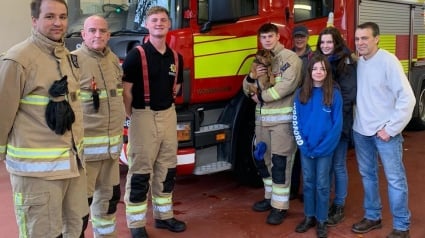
(300, 30)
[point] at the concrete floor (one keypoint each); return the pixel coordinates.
(215, 206)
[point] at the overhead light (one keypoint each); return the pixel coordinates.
(303, 7)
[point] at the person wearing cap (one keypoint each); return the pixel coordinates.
(300, 45)
(303, 50)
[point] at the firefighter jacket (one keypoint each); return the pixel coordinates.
(101, 74)
(30, 147)
(277, 101)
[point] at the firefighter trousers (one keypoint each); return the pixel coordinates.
(103, 193)
(152, 164)
(278, 158)
(49, 208)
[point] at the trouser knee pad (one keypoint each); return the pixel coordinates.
(116, 194)
(170, 181)
(278, 169)
(139, 184)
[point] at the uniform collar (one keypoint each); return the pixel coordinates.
(279, 47)
(45, 44)
(95, 53)
(151, 48)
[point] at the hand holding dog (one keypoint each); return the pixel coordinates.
(260, 70)
(254, 98)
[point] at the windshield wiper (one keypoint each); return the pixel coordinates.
(143, 31)
(75, 33)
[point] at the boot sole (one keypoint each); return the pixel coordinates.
(261, 210)
(163, 226)
(367, 230)
(335, 224)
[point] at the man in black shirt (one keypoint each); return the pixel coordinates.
(153, 74)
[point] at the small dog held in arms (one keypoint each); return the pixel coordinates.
(262, 57)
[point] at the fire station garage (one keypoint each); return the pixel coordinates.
(212, 199)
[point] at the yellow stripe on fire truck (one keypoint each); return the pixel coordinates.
(219, 56)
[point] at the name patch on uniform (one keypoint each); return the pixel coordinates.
(74, 60)
(285, 67)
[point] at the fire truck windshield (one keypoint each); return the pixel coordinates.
(123, 16)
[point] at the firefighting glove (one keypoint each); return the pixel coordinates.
(59, 114)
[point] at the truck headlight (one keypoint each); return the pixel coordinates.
(184, 131)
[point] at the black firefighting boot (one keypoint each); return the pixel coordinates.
(276, 216)
(262, 206)
(139, 232)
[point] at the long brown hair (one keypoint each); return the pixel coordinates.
(328, 84)
(341, 50)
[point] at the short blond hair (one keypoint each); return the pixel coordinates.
(157, 9)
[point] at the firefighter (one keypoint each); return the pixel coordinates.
(274, 122)
(43, 158)
(103, 112)
(153, 74)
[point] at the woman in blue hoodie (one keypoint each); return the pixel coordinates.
(317, 127)
(331, 44)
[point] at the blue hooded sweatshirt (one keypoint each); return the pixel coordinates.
(317, 127)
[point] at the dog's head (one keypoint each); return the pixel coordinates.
(264, 57)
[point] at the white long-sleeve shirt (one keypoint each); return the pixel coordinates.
(384, 96)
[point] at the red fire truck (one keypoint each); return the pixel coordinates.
(217, 39)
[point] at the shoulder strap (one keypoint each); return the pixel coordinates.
(145, 73)
(176, 63)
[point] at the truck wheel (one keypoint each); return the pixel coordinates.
(245, 169)
(418, 123)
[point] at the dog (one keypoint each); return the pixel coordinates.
(262, 57)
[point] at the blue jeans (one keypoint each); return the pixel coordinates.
(391, 153)
(316, 186)
(339, 174)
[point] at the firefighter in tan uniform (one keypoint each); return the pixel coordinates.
(103, 112)
(274, 124)
(150, 84)
(44, 159)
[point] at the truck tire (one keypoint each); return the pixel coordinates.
(418, 122)
(245, 170)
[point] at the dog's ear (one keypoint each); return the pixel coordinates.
(262, 52)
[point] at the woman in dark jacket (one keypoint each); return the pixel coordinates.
(331, 44)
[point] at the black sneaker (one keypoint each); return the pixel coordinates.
(306, 224)
(276, 216)
(331, 210)
(171, 224)
(336, 215)
(322, 230)
(262, 206)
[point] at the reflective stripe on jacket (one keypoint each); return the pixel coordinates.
(278, 100)
(103, 128)
(30, 147)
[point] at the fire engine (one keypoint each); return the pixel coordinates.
(218, 40)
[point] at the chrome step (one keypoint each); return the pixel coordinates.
(213, 127)
(212, 168)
